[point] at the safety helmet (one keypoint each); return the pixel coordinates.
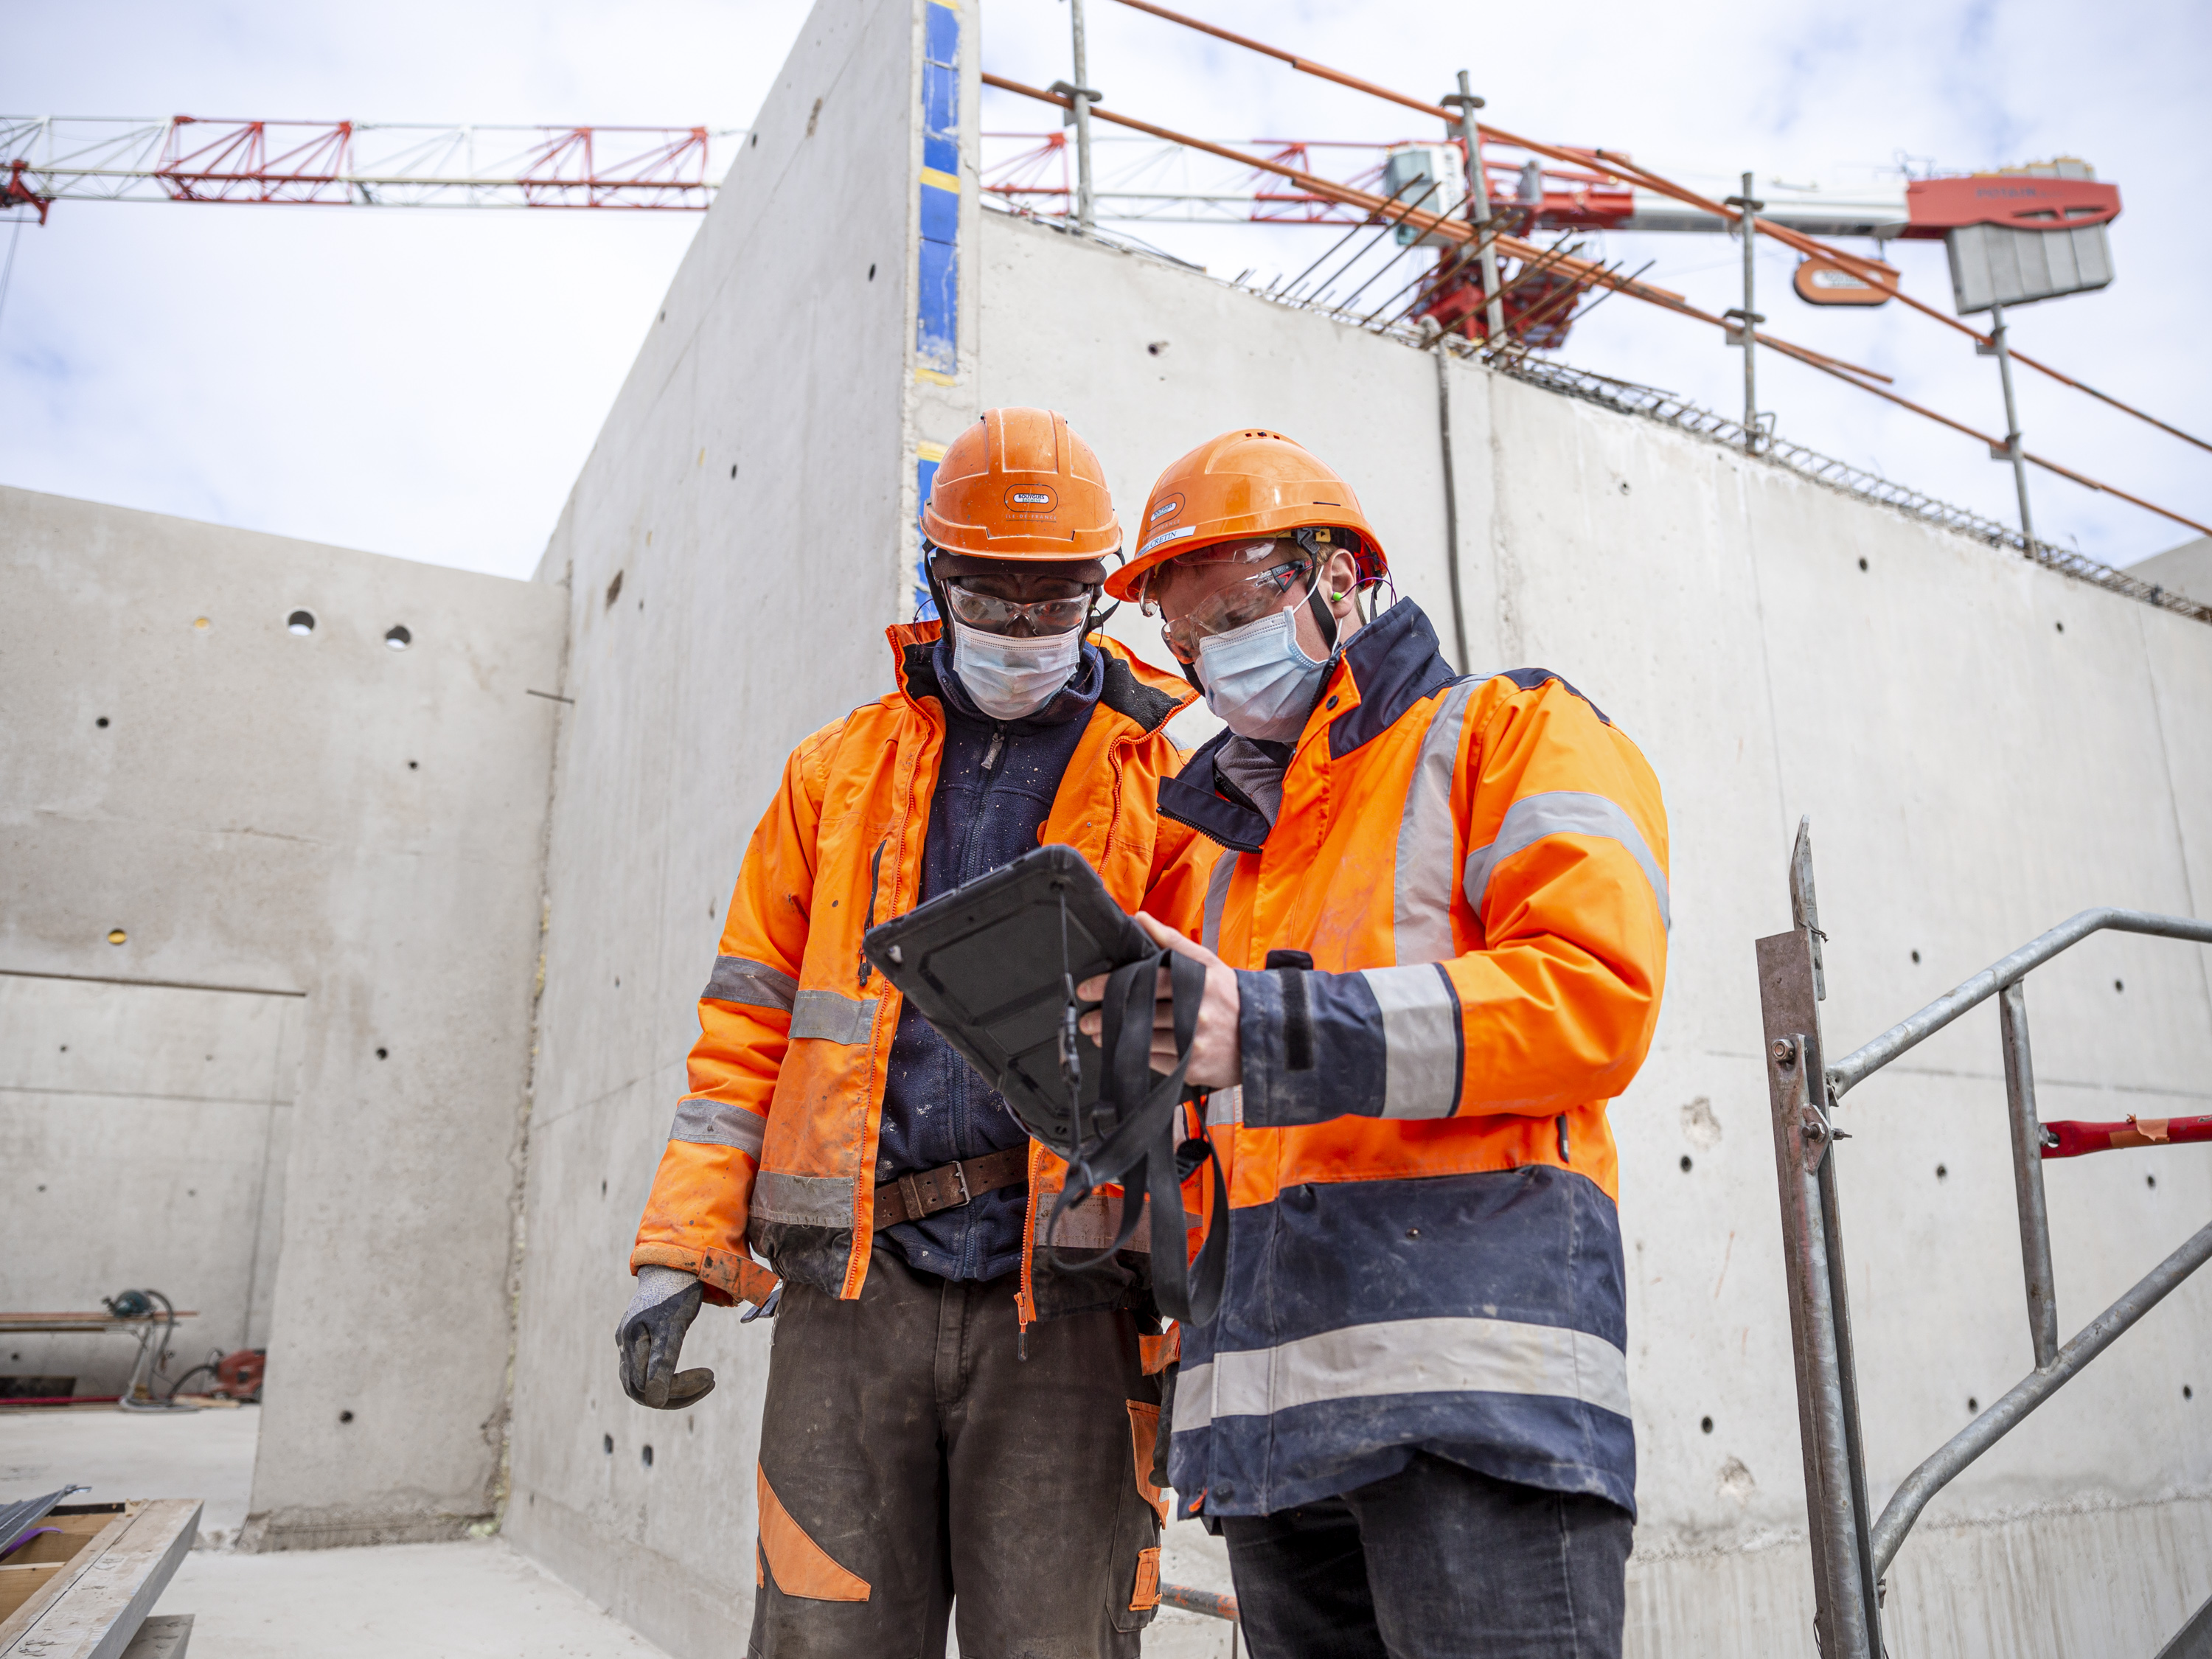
(1018, 484)
(1241, 486)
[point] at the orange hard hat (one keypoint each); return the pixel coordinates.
(1242, 486)
(1018, 484)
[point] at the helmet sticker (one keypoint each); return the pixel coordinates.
(1030, 498)
(1166, 509)
(1166, 536)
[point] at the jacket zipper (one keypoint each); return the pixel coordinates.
(875, 866)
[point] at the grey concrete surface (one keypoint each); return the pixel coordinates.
(1984, 748)
(2186, 569)
(317, 820)
(465, 1599)
(119, 1456)
(749, 610)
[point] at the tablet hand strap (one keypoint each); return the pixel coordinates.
(1138, 1142)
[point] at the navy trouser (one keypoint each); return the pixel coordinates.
(1434, 1562)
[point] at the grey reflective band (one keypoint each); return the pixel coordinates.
(803, 1200)
(1420, 905)
(1562, 812)
(1422, 1063)
(1194, 1399)
(1166, 536)
(1450, 1355)
(1217, 899)
(832, 1017)
(739, 979)
(1225, 1106)
(717, 1123)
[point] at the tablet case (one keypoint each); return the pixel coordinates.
(985, 964)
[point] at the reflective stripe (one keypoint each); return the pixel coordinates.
(1419, 1356)
(1562, 812)
(1225, 1106)
(1217, 899)
(832, 1016)
(739, 979)
(717, 1123)
(805, 1201)
(1420, 909)
(1421, 1040)
(1194, 1399)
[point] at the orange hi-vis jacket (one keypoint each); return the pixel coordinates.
(775, 1143)
(1466, 878)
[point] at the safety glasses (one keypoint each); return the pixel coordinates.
(1258, 595)
(997, 616)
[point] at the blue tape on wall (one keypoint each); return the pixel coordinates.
(936, 325)
(925, 475)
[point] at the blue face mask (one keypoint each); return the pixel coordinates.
(1259, 679)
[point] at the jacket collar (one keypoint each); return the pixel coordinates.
(1383, 671)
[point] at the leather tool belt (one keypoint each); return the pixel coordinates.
(949, 1186)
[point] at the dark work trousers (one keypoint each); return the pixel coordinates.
(1434, 1562)
(912, 1462)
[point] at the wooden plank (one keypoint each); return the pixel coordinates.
(15, 1624)
(20, 1583)
(163, 1635)
(97, 1616)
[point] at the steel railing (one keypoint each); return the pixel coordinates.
(1851, 1549)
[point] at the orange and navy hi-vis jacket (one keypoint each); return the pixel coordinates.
(1424, 1250)
(774, 1142)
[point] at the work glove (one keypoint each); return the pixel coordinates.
(651, 1335)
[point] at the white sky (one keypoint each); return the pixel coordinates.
(426, 383)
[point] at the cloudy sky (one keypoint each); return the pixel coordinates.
(426, 383)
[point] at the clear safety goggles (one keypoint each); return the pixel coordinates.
(996, 616)
(1260, 594)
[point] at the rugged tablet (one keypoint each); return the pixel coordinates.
(989, 965)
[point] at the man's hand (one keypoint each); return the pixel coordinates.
(651, 1336)
(1217, 1058)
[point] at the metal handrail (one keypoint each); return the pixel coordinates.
(1850, 1556)
(1915, 1029)
(1931, 1477)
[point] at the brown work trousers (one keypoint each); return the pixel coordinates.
(913, 1464)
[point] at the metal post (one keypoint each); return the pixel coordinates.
(1747, 318)
(2011, 451)
(2028, 1175)
(1080, 97)
(1478, 213)
(1788, 1003)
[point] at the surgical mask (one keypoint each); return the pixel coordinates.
(1259, 679)
(1009, 677)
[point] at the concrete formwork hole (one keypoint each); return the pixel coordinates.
(1862, 564)
(1705, 1424)
(1915, 956)
(2150, 1181)
(345, 1416)
(399, 638)
(301, 622)
(2187, 1393)
(384, 1054)
(1973, 1404)
(1685, 1163)
(608, 1442)
(101, 722)
(614, 590)
(646, 1454)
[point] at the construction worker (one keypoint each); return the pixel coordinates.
(1433, 953)
(949, 1416)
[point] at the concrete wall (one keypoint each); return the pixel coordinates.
(749, 493)
(2186, 569)
(1984, 748)
(308, 1051)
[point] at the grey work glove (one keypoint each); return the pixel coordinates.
(651, 1335)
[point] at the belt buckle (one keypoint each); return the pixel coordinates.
(960, 1175)
(912, 1194)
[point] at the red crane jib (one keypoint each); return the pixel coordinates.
(2020, 201)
